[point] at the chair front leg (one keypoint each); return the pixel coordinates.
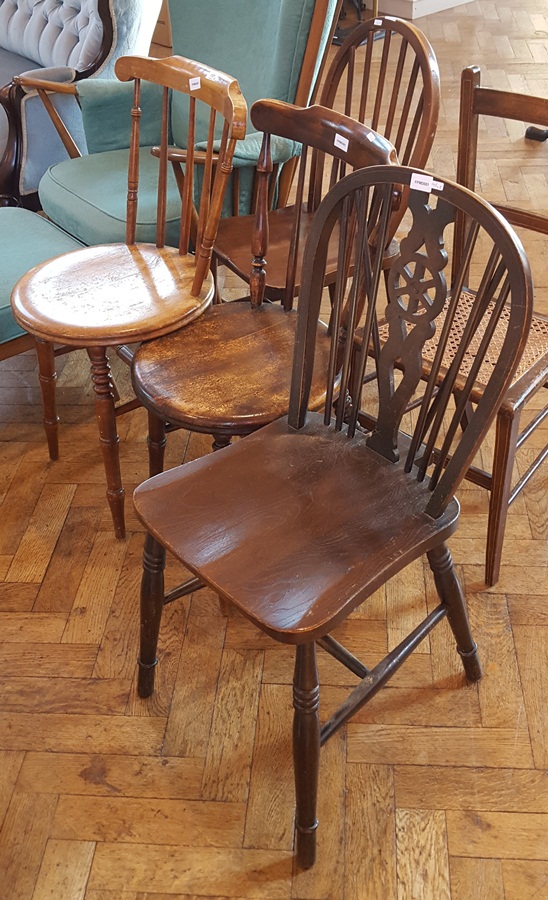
(506, 436)
(105, 412)
(48, 379)
(451, 594)
(152, 603)
(306, 750)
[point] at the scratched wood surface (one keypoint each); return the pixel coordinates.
(436, 790)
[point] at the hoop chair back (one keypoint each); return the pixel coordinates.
(385, 74)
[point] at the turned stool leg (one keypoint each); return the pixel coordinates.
(306, 750)
(48, 379)
(108, 436)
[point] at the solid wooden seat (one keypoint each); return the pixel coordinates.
(337, 567)
(113, 294)
(229, 376)
(302, 521)
(229, 373)
(385, 75)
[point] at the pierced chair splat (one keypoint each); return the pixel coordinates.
(300, 522)
(119, 294)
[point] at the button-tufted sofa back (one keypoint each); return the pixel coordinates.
(52, 32)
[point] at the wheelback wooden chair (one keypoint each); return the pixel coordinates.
(384, 75)
(300, 522)
(122, 293)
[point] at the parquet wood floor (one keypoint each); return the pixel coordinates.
(436, 790)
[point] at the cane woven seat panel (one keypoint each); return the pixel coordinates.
(536, 347)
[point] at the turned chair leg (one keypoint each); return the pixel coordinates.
(507, 431)
(451, 594)
(220, 441)
(105, 411)
(306, 750)
(152, 602)
(156, 442)
(48, 379)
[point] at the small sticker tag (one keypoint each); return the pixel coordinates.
(425, 183)
(421, 182)
(377, 22)
(194, 83)
(371, 136)
(341, 142)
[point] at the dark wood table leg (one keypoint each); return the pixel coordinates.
(48, 379)
(108, 436)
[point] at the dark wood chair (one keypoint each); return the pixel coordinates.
(299, 523)
(118, 294)
(532, 374)
(385, 75)
(229, 373)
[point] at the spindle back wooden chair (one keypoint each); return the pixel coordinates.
(384, 75)
(229, 373)
(120, 294)
(299, 523)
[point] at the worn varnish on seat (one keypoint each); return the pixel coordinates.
(301, 521)
(113, 294)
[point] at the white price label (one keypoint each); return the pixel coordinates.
(195, 83)
(341, 142)
(377, 22)
(425, 183)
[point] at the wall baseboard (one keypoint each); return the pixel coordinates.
(414, 9)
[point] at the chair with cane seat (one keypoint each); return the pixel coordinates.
(532, 374)
(300, 522)
(118, 294)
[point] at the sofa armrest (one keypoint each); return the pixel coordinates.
(54, 78)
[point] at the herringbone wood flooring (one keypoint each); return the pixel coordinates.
(436, 790)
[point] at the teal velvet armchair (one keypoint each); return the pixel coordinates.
(86, 195)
